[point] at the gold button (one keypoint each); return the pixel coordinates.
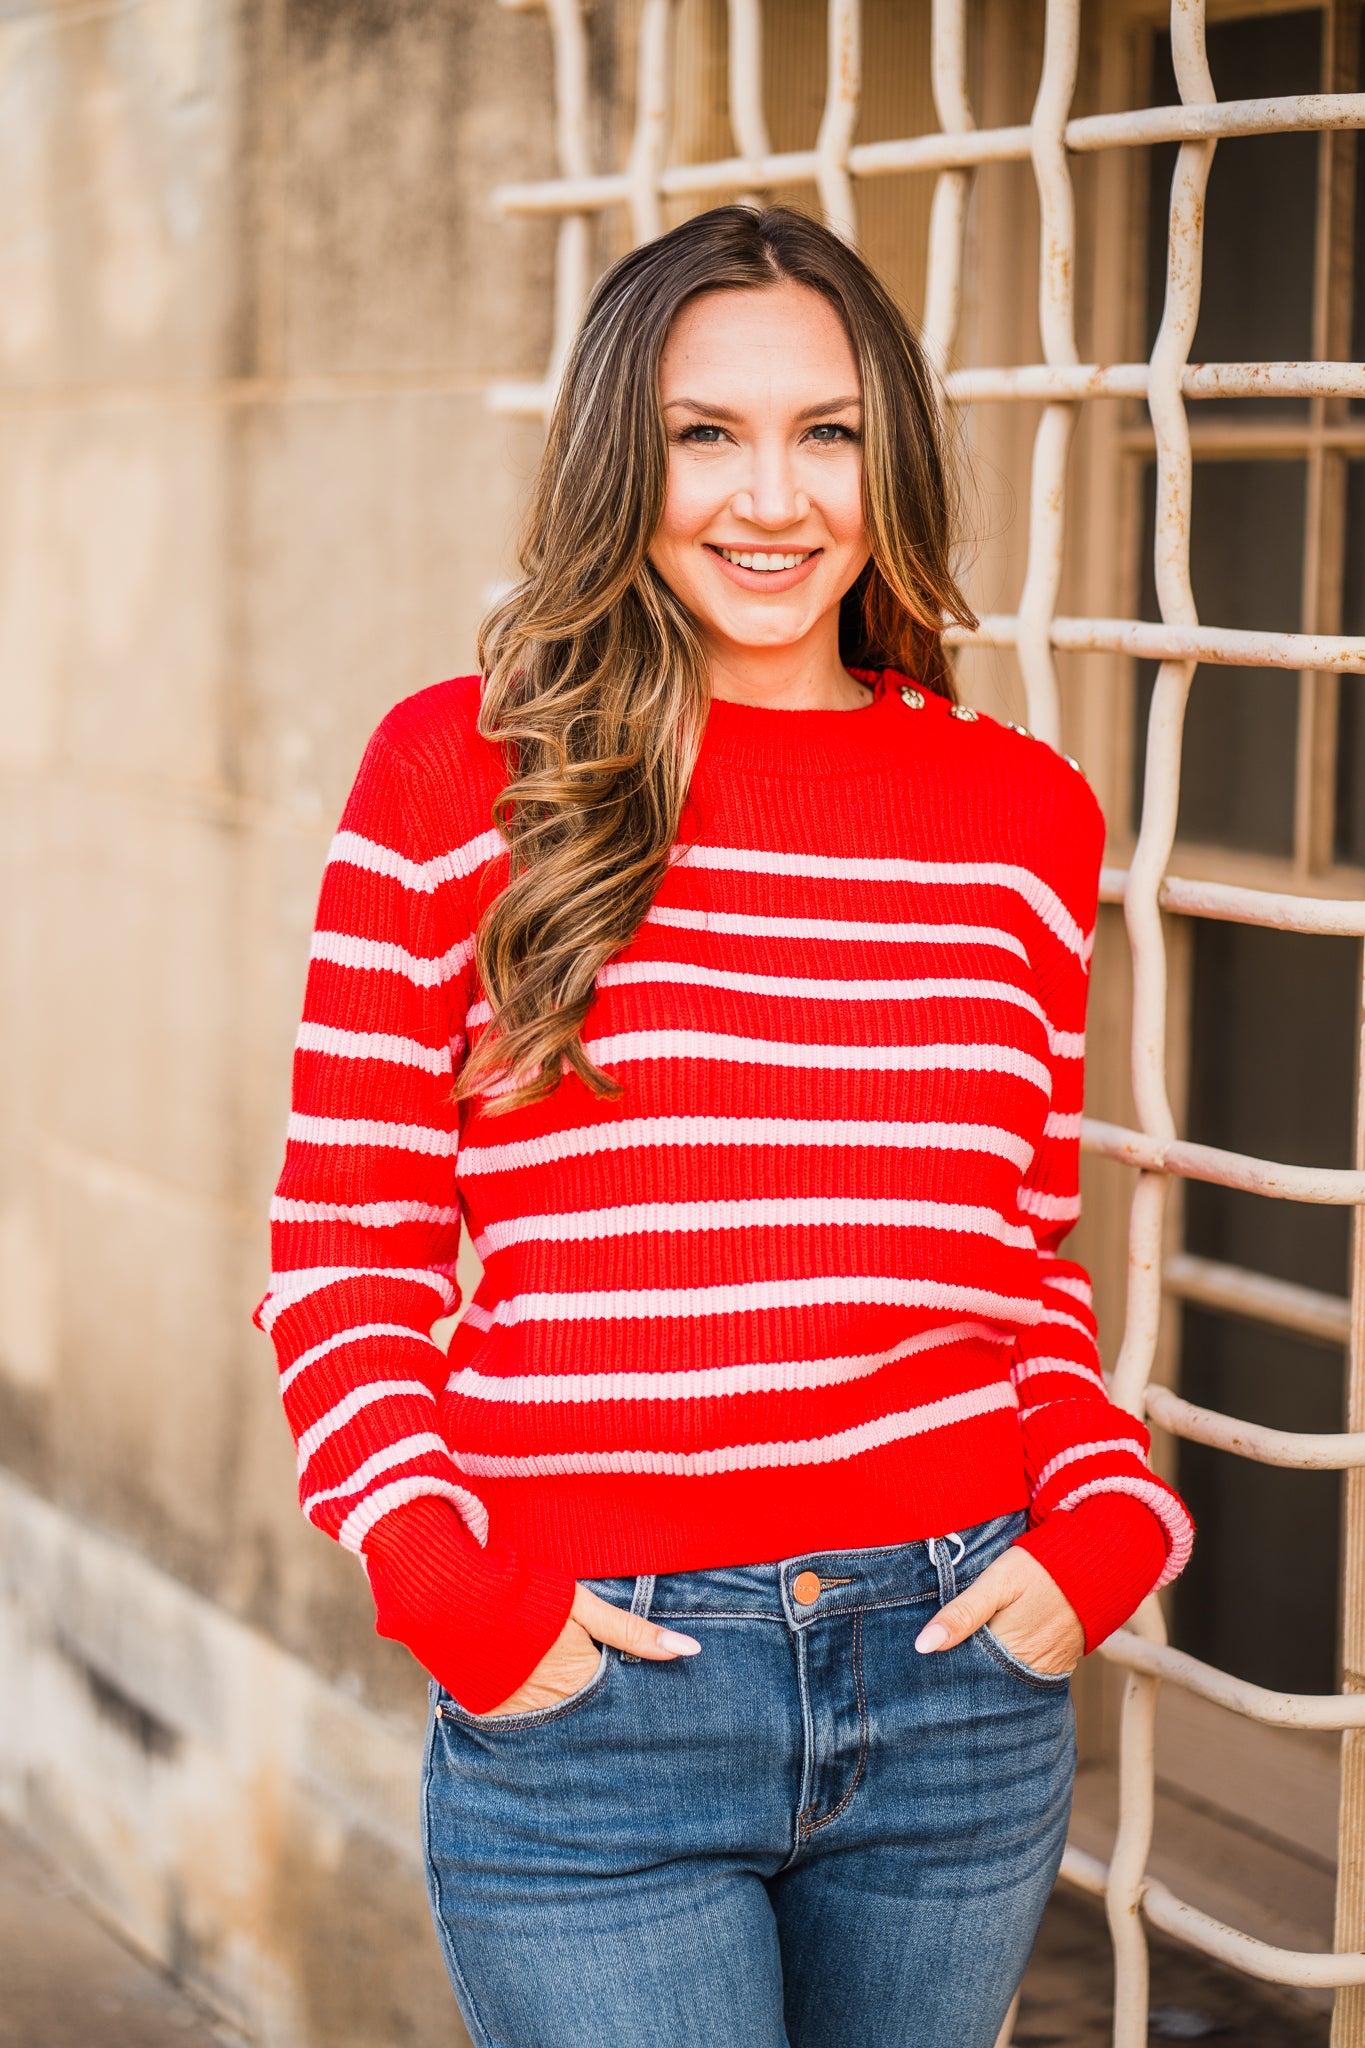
(914, 698)
(962, 711)
(806, 1588)
(1072, 762)
(1019, 728)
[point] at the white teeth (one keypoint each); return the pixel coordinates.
(764, 562)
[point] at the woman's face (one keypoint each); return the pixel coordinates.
(762, 529)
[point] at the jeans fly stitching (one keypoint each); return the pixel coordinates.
(809, 1827)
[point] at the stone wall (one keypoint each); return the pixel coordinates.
(250, 294)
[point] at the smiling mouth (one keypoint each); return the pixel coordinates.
(766, 562)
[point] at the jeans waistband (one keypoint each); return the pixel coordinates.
(806, 1588)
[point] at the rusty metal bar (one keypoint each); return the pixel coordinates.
(745, 79)
(1178, 641)
(947, 152)
(1057, 326)
(651, 120)
(1232, 1290)
(1341, 917)
(1326, 1452)
(1227, 1169)
(843, 91)
(1129, 380)
(1275, 1709)
(948, 211)
(570, 50)
(1156, 836)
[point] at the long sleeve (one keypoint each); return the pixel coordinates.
(365, 1229)
(1103, 1524)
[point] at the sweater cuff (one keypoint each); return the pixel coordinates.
(478, 1620)
(1106, 1554)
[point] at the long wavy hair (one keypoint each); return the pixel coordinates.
(596, 678)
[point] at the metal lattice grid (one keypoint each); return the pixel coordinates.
(835, 167)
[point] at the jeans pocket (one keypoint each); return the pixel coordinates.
(448, 1709)
(1044, 1681)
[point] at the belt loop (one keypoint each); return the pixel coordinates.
(640, 1604)
(945, 1563)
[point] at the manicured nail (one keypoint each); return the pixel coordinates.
(681, 1646)
(932, 1636)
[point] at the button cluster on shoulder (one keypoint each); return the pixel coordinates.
(1014, 727)
(962, 711)
(914, 698)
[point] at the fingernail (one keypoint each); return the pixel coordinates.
(932, 1637)
(681, 1646)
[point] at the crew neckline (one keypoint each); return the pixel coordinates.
(770, 740)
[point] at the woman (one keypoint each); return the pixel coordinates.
(728, 979)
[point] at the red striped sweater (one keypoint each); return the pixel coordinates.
(798, 1287)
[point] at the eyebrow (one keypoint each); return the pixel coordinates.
(724, 412)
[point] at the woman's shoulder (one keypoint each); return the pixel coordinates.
(1045, 789)
(1025, 796)
(438, 725)
(428, 772)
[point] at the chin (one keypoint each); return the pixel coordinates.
(761, 632)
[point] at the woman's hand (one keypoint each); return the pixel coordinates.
(572, 1657)
(1027, 1610)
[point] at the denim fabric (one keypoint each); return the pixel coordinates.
(809, 1836)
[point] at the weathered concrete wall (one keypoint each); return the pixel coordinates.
(249, 496)
(236, 1814)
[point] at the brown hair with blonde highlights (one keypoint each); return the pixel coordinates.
(596, 675)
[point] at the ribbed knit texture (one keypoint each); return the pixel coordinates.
(799, 1287)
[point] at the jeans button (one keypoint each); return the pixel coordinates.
(806, 1588)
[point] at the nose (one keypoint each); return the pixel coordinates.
(771, 498)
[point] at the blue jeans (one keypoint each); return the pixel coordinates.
(809, 1836)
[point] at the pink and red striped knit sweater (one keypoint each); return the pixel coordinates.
(798, 1287)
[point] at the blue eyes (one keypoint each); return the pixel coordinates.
(829, 434)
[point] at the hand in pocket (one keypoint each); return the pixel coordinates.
(1027, 1611)
(572, 1658)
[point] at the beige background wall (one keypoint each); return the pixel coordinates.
(249, 496)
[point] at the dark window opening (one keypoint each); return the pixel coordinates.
(1272, 1073)
(1237, 775)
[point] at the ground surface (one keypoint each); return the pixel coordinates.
(67, 1982)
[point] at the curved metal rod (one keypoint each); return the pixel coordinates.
(1295, 1449)
(1255, 1958)
(1129, 380)
(948, 211)
(651, 120)
(948, 151)
(1257, 1297)
(1176, 640)
(1325, 1184)
(1156, 836)
(1226, 900)
(1275, 1709)
(747, 118)
(843, 92)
